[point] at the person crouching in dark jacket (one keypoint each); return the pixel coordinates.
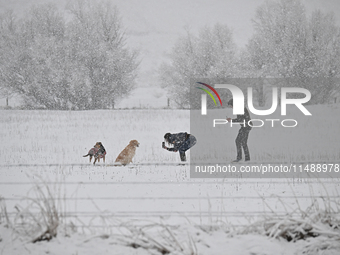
(181, 142)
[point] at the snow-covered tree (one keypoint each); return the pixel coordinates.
(79, 64)
(288, 44)
(7, 31)
(210, 54)
(98, 47)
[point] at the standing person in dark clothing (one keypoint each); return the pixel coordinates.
(242, 137)
(181, 142)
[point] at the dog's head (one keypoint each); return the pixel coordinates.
(98, 145)
(134, 143)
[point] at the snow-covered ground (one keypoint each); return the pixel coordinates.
(98, 204)
(206, 242)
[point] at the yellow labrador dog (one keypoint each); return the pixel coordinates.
(125, 157)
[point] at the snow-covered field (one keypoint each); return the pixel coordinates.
(103, 206)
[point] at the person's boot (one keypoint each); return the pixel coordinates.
(183, 157)
(236, 161)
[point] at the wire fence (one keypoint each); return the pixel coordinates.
(158, 201)
(168, 200)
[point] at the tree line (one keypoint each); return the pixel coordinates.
(289, 47)
(79, 59)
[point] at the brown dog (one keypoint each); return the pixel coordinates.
(125, 157)
(91, 153)
(98, 151)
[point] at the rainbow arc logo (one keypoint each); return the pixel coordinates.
(209, 93)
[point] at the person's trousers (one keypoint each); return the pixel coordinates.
(241, 143)
(186, 145)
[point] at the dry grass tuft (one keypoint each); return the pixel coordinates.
(318, 224)
(3, 213)
(156, 237)
(40, 219)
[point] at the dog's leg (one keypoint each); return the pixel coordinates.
(90, 158)
(95, 159)
(104, 158)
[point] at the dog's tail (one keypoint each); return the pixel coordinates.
(86, 155)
